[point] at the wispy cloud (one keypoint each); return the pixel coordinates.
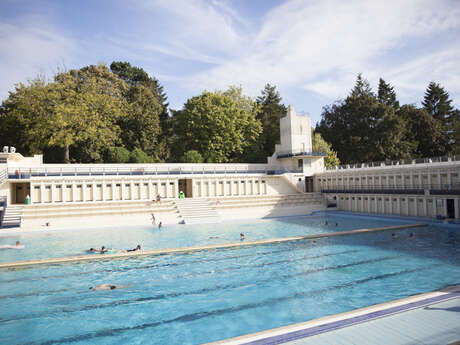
(31, 46)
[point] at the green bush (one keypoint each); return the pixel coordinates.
(118, 155)
(139, 156)
(192, 156)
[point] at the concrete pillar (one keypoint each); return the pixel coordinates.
(407, 206)
(94, 193)
(103, 185)
(42, 192)
(449, 178)
(411, 180)
(420, 180)
(429, 179)
(376, 203)
(74, 190)
(52, 192)
(403, 181)
(176, 187)
(425, 208)
(457, 214)
(122, 185)
(435, 210)
(439, 179)
(383, 205)
(398, 205)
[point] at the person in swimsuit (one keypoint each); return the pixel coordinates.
(105, 287)
(135, 249)
(241, 236)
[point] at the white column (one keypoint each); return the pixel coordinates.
(449, 178)
(376, 203)
(383, 204)
(411, 180)
(398, 205)
(416, 207)
(103, 183)
(407, 206)
(42, 192)
(403, 181)
(368, 204)
(429, 179)
(52, 191)
(151, 196)
(83, 190)
(74, 190)
(122, 185)
(439, 179)
(425, 208)
(435, 208)
(420, 180)
(176, 187)
(94, 193)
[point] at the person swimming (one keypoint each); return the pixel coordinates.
(135, 249)
(241, 236)
(105, 287)
(18, 245)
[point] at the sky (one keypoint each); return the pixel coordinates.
(311, 50)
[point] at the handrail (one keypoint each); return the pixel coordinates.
(110, 170)
(396, 163)
(299, 153)
(442, 189)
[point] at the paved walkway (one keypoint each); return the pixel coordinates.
(429, 318)
(436, 324)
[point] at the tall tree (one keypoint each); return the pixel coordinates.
(149, 126)
(270, 112)
(78, 109)
(361, 129)
(438, 104)
(386, 95)
(215, 126)
(423, 131)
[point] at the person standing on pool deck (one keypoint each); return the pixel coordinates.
(153, 219)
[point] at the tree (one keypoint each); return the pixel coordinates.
(192, 156)
(361, 129)
(269, 115)
(149, 117)
(424, 132)
(213, 125)
(386, 95)
(320, 145)
(438, 104)
(78, 109)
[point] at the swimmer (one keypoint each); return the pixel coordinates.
(411, 234)
(103, 250)
(326, 223)
(393, 235)
(93, 250)
(135, 249)
(17, 245)
(160, 224)
(241, 236)
(213, 237)
(105, 287)
(336, 224)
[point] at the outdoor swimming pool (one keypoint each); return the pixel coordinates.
(204, 296)
(51, 244)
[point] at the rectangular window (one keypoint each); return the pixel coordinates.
(299, 163)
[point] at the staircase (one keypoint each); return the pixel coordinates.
(12, 216)
(195, 211)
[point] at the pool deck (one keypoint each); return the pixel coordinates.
(429, 318)
(93, 257)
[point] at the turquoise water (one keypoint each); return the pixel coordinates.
(210, 295)
(51, 244)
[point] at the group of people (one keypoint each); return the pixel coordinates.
(105, 250)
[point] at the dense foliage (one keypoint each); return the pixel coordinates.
(121, 114)
(368, 127)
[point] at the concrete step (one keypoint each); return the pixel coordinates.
(197, 211)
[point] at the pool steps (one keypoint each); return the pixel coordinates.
(197, 211)
(93, 257)
(12, 216)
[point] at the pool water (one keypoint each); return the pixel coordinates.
(51, 244)
(210, 295)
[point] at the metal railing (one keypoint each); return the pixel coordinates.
(179, 169)
(396, 163)
(433, 189)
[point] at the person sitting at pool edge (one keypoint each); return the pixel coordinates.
(105, 287)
